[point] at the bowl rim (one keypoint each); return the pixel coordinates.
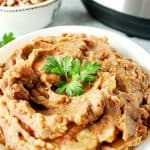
(125, 46)
(24, 8)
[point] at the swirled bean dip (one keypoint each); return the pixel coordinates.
(111, 113)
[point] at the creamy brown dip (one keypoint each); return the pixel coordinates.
(112, 114)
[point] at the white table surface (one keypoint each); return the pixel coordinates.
(72, 12)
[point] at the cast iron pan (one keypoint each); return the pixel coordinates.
(133, 26)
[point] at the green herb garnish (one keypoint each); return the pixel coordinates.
(74, 72)
(6, 39)
(74, 87)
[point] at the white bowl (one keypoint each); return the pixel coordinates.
(24, 19)
(126, 47)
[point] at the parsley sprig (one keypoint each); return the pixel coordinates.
(72, 88)
(6, 39)
(74, 72)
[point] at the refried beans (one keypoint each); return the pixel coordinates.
(113, 112)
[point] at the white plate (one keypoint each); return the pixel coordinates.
(126, 47)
